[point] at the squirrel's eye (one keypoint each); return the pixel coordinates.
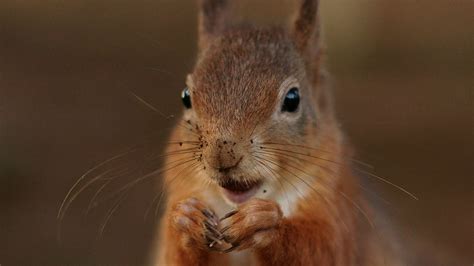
(292, 101)
(186, 98)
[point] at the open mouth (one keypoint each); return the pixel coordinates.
(239, 191)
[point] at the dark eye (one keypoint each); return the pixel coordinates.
(292, 101)
(186, 98)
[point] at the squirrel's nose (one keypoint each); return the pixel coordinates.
(223, 155)
(225, 168)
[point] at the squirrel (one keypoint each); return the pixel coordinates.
(260, 172)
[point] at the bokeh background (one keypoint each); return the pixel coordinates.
(403, 78)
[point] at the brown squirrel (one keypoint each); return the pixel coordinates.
(262, 174)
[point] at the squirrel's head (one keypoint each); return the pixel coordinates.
(252, 91)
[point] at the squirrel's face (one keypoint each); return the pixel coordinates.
(249, 96)
(248, 93)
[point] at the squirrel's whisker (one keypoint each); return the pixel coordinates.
(93, 202)
(274, 177)
(154, 109)
(400, 188)
(295, 175)
(304, 182)
(298, 161)
(158, 198)
(64, 205)
(114, 207)
(320, 150)
(180, 162)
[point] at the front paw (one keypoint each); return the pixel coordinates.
(195, 224)
(253, 225)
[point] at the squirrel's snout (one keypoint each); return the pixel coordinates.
(223, 155)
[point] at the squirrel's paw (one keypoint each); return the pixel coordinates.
(196, 225)
(253, 225)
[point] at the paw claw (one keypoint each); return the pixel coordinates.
(214, 241)
(211, 228)
(229, 214)
(208, 213)
(211, 216)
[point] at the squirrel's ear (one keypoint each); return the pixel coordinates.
(306, 27)
(211, 20)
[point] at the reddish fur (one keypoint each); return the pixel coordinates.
(239, 68)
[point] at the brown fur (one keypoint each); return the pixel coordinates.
(313, 212)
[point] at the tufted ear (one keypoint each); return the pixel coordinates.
(306, 34)
(306, 27)
(211, 20)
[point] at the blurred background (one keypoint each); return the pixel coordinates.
(403, 78)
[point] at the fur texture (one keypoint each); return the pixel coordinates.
(306, 208)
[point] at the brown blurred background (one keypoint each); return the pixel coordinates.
(403, 78)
